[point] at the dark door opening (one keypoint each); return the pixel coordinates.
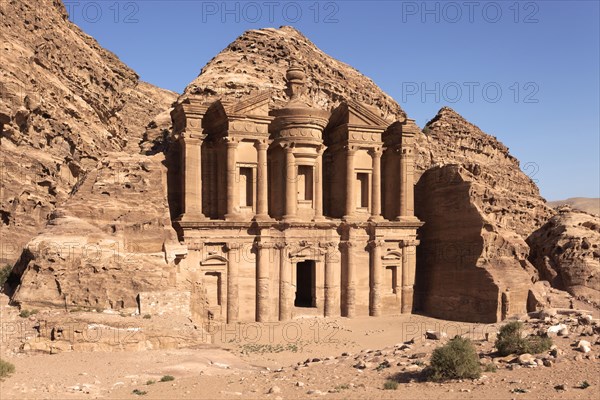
(305, 284)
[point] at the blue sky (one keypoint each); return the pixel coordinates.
(526, 72)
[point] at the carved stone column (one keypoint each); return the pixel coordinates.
(376, 272)
(408, 274)
(291, 191)
(191, 151)
(263, 255)
(319, 186)
(233, 262)
(407, 172)
(376, 186)
(350, 298)
(262, 205)
(232, 186)
(331, 287)
(285, 278)
(350, 178)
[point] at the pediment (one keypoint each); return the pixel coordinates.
(257, 105)
(351, 112)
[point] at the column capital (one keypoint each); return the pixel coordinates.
(347, 244)
(261, 144)
(376, 152)
(408, 243)
(376, 243)
(289, 147)
(264, 246)
(191, 138)
(231, 247)
(326, 245)
(231, 141)
(281, 245)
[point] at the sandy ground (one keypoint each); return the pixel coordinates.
(250, 360)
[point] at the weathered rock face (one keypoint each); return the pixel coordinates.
(566, 252)
(107, 243)
(478, 207)
(510, 198)
(258, 60)
(70, 107)
(65, 103)
(468, 268)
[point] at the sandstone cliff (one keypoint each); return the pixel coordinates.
(83, 211)
(478, 208)
(566, 252)
(477, 204)
(107, 243)
(65, 104)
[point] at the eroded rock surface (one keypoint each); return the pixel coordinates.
(65, 103)
(566, 252)
(478, 208)
(69, 106)
(258, 60)
(106, 244)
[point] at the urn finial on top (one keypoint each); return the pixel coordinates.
(295, 77)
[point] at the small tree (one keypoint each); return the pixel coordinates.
(511, 341)
(4, 274)
(455, 360)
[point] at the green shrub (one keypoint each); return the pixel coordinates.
(139, 392)
(150, 382)
(510, 341)
(455, 360)
(4, 274)
(147, 316)
(27, 313)
(490, 367)
(390, 385)
(167, 378)
(6, 368)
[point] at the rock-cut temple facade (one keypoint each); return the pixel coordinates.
(297, 210)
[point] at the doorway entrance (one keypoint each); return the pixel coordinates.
(305, 284)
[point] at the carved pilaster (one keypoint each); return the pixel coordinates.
(191, 158)
(375, 247)
(319, 185)
(233, 261)
(232, 181)
(350, 178)
(263, 255)
(376, 185)
(349, 302)
(291, 191)
(331, 288)
(408, 273)
(285, 278)
(262, 212)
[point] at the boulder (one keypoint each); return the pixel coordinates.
(566, 252)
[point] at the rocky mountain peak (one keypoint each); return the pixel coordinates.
(259, 59)
(449, 126)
